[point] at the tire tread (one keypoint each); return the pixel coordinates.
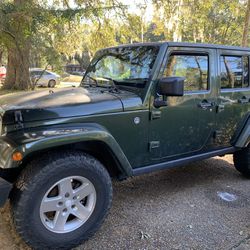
(35, 171)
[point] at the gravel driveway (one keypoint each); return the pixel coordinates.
(205, 205)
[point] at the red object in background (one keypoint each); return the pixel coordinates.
(2, 73)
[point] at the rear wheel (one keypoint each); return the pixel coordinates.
(242, 161)
(61, 200)
(52, 83)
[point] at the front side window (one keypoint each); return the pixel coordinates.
(234, 72)
(194, 68)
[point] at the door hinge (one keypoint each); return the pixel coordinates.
(155, 114)
(153, 145)
(18, 119)
(220, 107)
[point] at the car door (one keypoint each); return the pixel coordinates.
(233, 96)
(185, 126)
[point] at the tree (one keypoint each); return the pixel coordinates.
(15, 29)
(211, 21)
(29, 24)
(1, 56)
(246, 26)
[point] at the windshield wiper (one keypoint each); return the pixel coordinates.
(113, 83)
(91, 78)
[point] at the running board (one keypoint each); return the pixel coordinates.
(179, 162)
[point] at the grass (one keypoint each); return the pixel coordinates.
(5, 92)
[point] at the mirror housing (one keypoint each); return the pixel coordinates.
(171, 86)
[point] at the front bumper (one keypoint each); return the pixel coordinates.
(5, 188)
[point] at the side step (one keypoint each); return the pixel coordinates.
(179, 162)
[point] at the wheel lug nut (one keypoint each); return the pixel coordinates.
(65, 210)
(73, 206)
(67, 195)
(60, 203)
(74, 198)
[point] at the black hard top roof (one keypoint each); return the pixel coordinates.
(182, 44)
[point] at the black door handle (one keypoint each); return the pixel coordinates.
(243, 99)
(205, 104)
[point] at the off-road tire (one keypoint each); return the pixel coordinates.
(34, 182)
(242, 161)
(51, 83)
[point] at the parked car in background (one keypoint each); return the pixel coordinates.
(2, 73)
(44, 78)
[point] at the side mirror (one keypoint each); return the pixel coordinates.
(171, 86)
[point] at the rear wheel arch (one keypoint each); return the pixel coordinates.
(242, 136)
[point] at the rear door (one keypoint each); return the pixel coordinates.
(233, 95)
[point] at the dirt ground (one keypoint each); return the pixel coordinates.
(205, 205)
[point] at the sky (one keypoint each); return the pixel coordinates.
(134, 7)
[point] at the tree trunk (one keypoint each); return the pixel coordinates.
(17, 76)
(246, 26)
(1, 57)
(229, 73)
(18, 68)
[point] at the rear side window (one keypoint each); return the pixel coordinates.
(234, 72)
(35, 73)
(194, 68)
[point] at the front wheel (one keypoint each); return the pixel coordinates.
(61, 200)
(51, 83)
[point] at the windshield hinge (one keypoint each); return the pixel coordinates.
(155, 114)
(18, 119)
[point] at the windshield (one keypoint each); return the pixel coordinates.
(122, 66)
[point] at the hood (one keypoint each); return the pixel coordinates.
(59, 103)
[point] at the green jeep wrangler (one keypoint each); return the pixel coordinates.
(139, 108)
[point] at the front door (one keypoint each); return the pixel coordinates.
(234, 95)
(186, 125)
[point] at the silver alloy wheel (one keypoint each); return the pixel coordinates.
(68, 204)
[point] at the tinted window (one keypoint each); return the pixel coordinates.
(234, 72)
(47, 73)
(35, 73)
(193, 67)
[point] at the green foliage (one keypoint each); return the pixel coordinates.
(57, 32)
